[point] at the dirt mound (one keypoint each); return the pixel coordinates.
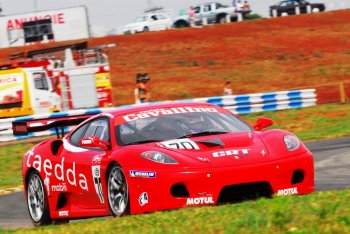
(256, 56)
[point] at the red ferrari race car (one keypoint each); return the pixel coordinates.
(159, 157)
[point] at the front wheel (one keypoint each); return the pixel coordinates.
(118, 196)
(37, 202)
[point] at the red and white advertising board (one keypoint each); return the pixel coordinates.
(66, 24)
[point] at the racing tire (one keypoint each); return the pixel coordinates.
(146, 29)
(117, 191)
(37, 202)
(181, 24)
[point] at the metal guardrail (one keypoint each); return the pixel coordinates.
(238, 104)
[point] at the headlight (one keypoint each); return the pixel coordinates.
(158, 157)
(292, 142)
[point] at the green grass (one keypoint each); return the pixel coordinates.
(11, 164)
(321, 212)
(312, 123)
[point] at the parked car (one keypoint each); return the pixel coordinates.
(213, 12)
(149, 22)
(288, 7)
(158, 157)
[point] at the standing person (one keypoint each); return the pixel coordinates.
(191, 16)
(137, 87)
(234, 3)
(227, 88)
(142, 92)
(146, 89)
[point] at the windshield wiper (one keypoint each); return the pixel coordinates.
(205, 133)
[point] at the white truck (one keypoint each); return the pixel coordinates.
(55, 79)
(213, 12)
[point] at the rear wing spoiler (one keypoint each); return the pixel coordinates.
(23, 128)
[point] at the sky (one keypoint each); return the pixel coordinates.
(109, 16)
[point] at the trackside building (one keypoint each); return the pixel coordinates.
(44, 26)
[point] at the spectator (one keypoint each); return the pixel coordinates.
(227, 88)
(137, 87)
(234, 3)
(239, 5)
(142, 91)
(147, 89)
(192, 16)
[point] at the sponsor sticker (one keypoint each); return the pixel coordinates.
(144, 174)
(62, 187)
(241, 153)
(63, 213)
(59, 171)
(143, 199)
(96, 159)
(287, 191)
(166, 111)
(193, 201)
(47, 184)
(96, 175)
(181, 144)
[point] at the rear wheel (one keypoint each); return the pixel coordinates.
(146, 29)
(118, 194)
(222, 19)
(37, 202)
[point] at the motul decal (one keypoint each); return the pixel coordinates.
(96, 175)
(199, 201)
(287, 191)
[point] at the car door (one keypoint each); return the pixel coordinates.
(208, 13)
(43, 97)
(164, 22)
(302, 5)
(86, 165)
(154, 22)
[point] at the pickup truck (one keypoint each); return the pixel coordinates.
(213, 12)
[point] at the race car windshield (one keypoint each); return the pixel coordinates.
(176, 126)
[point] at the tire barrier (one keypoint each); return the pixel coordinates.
(238, 104)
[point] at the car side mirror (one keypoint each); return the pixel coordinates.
(262, 123)
(94, 141)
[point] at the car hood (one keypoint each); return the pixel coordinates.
(221, 150)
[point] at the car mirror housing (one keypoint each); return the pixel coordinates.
(94, 141)
(262, 123)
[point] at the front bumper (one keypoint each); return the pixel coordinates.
(204, 186)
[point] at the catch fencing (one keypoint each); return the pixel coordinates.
(238, 104)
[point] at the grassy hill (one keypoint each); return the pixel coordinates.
(256, 56)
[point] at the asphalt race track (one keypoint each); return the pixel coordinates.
(332, 171)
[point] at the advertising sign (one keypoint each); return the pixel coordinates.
(44, 26)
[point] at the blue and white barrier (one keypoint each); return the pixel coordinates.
(238, 104)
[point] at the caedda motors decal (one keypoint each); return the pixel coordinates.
(58, 170)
